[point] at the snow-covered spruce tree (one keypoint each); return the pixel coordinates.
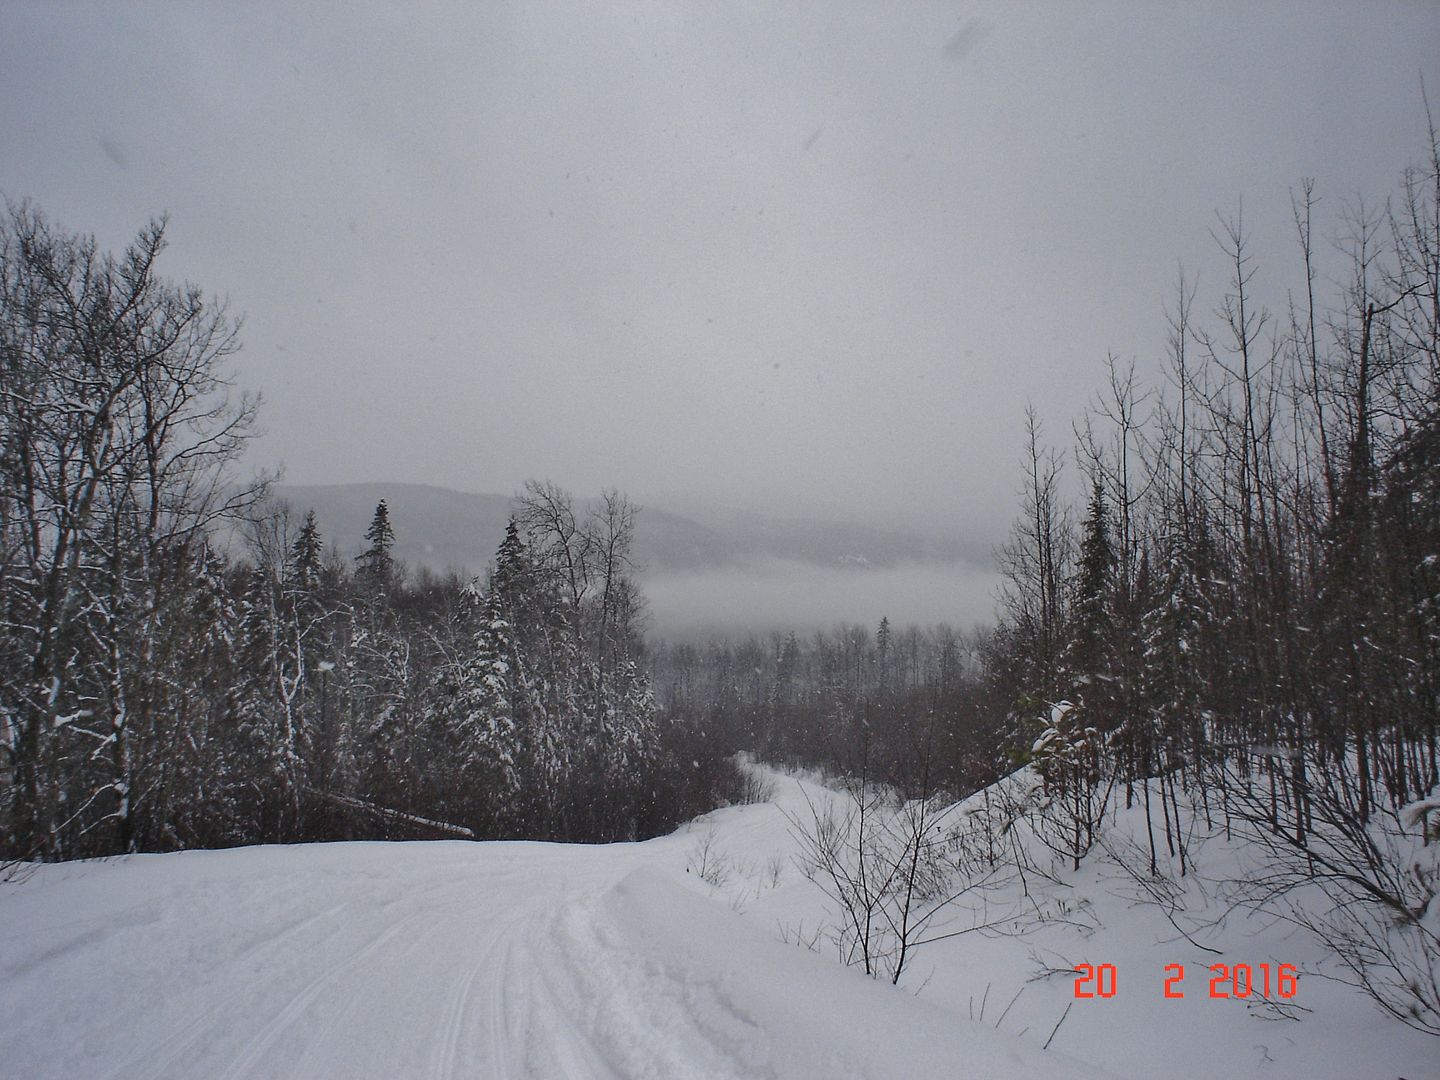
(1178, 637)
(306, 556)
(624, 751)
(395, 675)
(1410, 519)
(1087, 661)
(497, 725)
(884, 656)
(1070, 750)
(375, 566)
(320, 612)
(493, 705)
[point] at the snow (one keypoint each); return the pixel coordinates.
(450, 958)
(1412, 814)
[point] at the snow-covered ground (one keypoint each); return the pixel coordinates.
(450, 959)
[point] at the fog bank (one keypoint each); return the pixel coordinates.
(777, 595)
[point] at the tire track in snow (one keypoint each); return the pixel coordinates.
(444, 1063)
(159, 1058)
(452, 1024)
(260, 1044)
(502, 987)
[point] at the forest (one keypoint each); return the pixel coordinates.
(1237, 567)
(1226, 585)
(185, 665)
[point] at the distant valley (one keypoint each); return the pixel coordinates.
(716, 571)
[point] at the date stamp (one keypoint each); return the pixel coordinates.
(1242, 981)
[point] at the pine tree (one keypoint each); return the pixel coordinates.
(305, 556)
(485, 727)
(882, 652)
(512, 581)
(376, 566)
(1073, 741)
(1087, 660)
(524, 646)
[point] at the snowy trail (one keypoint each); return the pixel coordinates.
(362, 960)
(437, 961)
(456, 959)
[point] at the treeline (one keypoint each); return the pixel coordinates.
(512, 707)
(849, 700)
(1252, 585)
(161, 689)
(1243, 623)
(1240, 631)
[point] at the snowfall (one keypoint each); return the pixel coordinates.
(706, 953)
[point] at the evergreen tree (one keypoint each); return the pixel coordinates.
(484, 727)
(513, 580)
(305, 556)
(376, 566)
(882, 652)
(520, 699)
(1087, 659)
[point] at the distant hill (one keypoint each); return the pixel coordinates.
(441, 528)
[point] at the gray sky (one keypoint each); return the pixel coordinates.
(821, 252)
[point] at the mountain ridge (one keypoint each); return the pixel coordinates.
(442, 528)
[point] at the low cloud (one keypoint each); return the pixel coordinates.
(776, 595)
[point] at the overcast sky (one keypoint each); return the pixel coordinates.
(823, 252)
